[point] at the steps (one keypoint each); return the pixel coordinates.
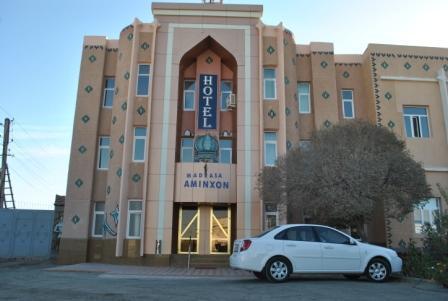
(200, 261)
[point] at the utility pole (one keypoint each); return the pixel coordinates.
(4, 172)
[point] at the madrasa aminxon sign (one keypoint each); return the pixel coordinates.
(207, 102)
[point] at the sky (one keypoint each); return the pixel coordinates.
(40, 54)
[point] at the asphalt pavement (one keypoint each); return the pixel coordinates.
(45, 281)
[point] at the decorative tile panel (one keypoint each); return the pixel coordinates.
(79, 183)
(270, 50)
(141, 110)
(327, 123)
(88, 88)
(136, 177)
(119, 172)
(426, 67)
(130, 36)
(323, 64)
(92, 58)
(391, 124)
(271, 113)
(82, 149)
(325, 95)
(144, 46)
(346, 74)
(124, 106)
(407, 66)
(121, 139)
(384, 64)
(75, 219)
(388, 96)
(85, 118)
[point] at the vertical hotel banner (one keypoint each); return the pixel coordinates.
(207, 102)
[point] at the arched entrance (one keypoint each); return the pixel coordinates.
(206, 144)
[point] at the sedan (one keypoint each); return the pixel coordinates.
(304, 248)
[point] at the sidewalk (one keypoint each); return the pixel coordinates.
(125, 271)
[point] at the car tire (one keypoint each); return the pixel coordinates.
(378, 270)
(352, 276)
(277, 269)
(260, 275)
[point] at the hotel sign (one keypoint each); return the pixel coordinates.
(207, 102)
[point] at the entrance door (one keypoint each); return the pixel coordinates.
(220, 230)
(188, 236)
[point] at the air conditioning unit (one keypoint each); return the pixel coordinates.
(231, 101)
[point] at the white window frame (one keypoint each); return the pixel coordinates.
(270, 213)
(95, 213)
(418, 227)
(108, 89)
(226, 149)
(140, 211)
(225, 92)
(352, 102)
(308, 95)
(100, 147)
(143, 74)
(270, 79)
(186, 147)
(419, 116)
(194, 95)
(265, 147)
(134, 143)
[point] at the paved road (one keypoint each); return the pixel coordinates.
(35, 282)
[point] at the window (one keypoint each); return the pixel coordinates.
(270, 148)
(426, 214)
(270, 216)
(134, 219)
(109, 88)
(226, 91)
(98, 219)
(270, 91)
(186, 152)
(303, 96)
(416, 122)
(302, 233)
(143, 80)
(139, 144)
(225, 151)
(189, 90)
(330, 236)
(348, 110)
(103, 152)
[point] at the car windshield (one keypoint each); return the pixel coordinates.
(266, 232)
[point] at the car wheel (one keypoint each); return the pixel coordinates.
(260, 275)
(277, 269)
(352, 276)
(378, 270)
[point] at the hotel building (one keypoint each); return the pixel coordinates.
(175, 119)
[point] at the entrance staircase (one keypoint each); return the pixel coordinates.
(200, 261)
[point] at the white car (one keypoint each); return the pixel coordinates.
(306, 248)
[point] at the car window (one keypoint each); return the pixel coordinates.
(266, 232)
(331, 236)
(302, 233)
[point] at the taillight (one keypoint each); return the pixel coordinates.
(245, 245)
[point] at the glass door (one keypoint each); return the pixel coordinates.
(220, 230)
(188, 235)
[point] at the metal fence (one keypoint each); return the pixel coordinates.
(25, 233)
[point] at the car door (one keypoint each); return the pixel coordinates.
(300, 244)
(338, 254)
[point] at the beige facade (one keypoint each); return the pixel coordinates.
(134, 205)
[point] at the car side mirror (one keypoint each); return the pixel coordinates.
(352, 242)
